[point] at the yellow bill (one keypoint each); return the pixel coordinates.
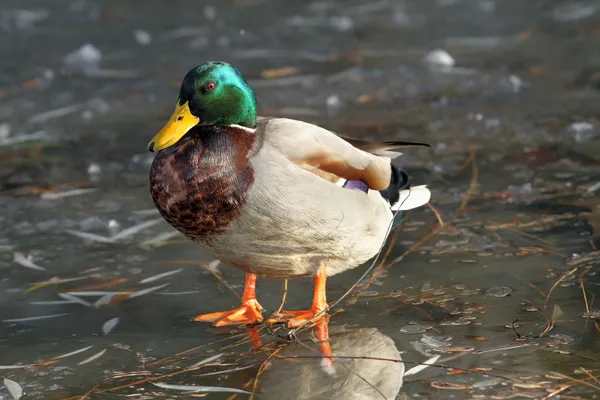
(180, 122)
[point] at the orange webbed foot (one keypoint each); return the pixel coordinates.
(298, 318)
(247, 314)
(316, 313)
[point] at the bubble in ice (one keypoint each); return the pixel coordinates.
(515, 83)
(446, 3)
(439, 58)
(487, 383)
(414, 328)
(23, 19)
(342, 23)
(94, 169)
(4, 131)
(574, 11)
(488, 6)
(401, 17)
(456, 322)
(223, 41)
(87, 115)
(87, 56)
(142, 37)
(593, 314)
(48, 74)
(113, 226)
(92, 223)
(98, 105)
(210, 13)
(562, 338)
(199, 42)
(333, 102)
(582, 131)
(498, 291)
(436, 341)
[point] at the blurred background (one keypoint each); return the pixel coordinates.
(96, 291)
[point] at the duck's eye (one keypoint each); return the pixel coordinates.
(210, 86)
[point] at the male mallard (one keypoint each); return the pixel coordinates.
(272, 196)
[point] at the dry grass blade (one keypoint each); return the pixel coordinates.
(144, 292)
(160, 276)
(73, 353)
(96, 293)
(23, 261)
(283, 297)
(160, 239)
(580, 381)
(101, 285)
(502, 348)
(56, 113)
(67, 193)
(211, 267)
(557, 391)
(51, 302)
(35, 318)
(2, 367)
(569, 273)
(92, 237)
(75, 299)
(55, 281)
(165, 359)
(104, 300)
(92, 358)
(22, 138)
(450, 386)
(416, 369)
(581, 285)
(472, 185)
(261, 369)
(436, 213)
(203, 389)
(125, 233)
(585, 371)
(208, 360)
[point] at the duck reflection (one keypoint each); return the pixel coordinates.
(300, 372)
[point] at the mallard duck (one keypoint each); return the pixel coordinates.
(275, 197)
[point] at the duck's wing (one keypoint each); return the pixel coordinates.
(383, 149)
(323, 152)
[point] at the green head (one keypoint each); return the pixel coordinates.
(213, 93)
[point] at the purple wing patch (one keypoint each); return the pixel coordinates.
(356, 185)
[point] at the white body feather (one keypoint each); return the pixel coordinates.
(293, 220)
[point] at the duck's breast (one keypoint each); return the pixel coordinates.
(201, 184)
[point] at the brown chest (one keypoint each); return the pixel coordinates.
(200, 184)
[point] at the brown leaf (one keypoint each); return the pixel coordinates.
(475, 337)
(450, 386)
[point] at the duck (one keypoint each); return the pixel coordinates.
(274, 197)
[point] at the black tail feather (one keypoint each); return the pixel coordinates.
(399, 181)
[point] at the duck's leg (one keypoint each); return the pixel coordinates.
(296, 318)
(248, 313)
